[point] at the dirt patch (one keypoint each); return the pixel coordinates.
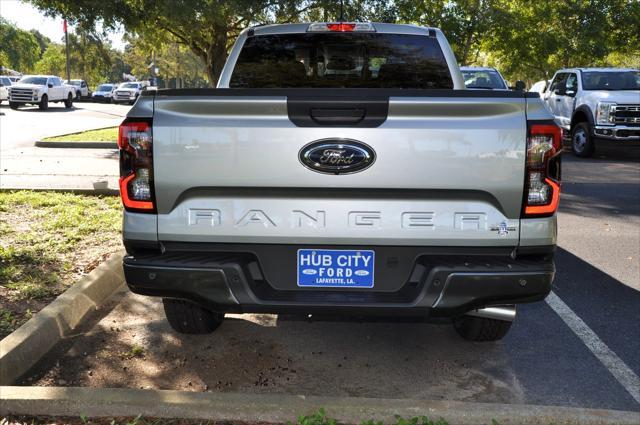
(132, 346)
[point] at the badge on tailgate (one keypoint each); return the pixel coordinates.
(335, 268)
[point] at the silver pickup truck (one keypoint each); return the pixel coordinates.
(340, 168)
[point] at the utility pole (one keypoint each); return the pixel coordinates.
(66, 43)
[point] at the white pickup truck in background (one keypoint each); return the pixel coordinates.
(40, 90)
(596, 103)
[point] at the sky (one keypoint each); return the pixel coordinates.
(27, 17)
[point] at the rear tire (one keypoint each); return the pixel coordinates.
(481, 329)
(189, 318)
(582, 142)
(14, 105)
(44, 103)
(69, 102)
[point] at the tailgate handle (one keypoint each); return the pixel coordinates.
(337, 116)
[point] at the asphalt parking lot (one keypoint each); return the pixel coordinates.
(22, 165)
(578, 348)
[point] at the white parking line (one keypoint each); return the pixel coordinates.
(618, 368)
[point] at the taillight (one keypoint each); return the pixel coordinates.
(542, 181)
(136, 166)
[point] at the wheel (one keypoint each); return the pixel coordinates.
(44, 103)
(582, 141)
(189, 318)
(474, 328)
(14, 105)
(69, 102)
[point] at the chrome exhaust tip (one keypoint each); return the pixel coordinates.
(503, 312)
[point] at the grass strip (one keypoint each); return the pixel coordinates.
(48, 240)
(101, 135)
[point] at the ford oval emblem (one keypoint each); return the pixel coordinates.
(337, 156)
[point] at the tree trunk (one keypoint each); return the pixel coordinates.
(471, 29)
(217, 55)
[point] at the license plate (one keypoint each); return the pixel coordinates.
(329, 268)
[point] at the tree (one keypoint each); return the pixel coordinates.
(206, 27)
(90, 59)
(43, 41)
(464, 22)
(19, 50)
(534, 39)
(53, 61)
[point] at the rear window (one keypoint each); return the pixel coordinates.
(338, 60)
(483, 80)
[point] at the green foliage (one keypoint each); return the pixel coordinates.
(53, 61)
(102, 135)
(321, 418)
(175, 62)
(525, 39)
(19, 50)
(534, 39)
(318, 418)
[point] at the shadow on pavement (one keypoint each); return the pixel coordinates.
(130, 344)
(606, 305)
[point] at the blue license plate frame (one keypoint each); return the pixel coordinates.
(335, 268)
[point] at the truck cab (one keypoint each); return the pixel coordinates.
(40, 90)
(128, 92)
(81, 87)
(596, 103)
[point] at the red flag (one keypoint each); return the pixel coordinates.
(64, 26)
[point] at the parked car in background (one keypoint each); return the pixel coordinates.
(483, 78)
(540, 86)
(81, 87)
(5, 83)
(596, 103)
(40, 90)
(128, 92)
(14, 79)
(292, 199)
(103, 93)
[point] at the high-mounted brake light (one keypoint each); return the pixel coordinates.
(542, 183)
(341, 27)
(136, 166)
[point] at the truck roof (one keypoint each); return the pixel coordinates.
(598, 69)
(303, 26)
(40, 75)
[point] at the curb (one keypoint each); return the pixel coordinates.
(281, 408)
(23, 348)
(76, 145)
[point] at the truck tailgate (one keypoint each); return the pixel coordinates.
(449, 170)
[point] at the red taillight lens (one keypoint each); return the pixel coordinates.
(136, 166)
(542, 184)
(341, 27)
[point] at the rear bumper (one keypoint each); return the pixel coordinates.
(436, 282)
